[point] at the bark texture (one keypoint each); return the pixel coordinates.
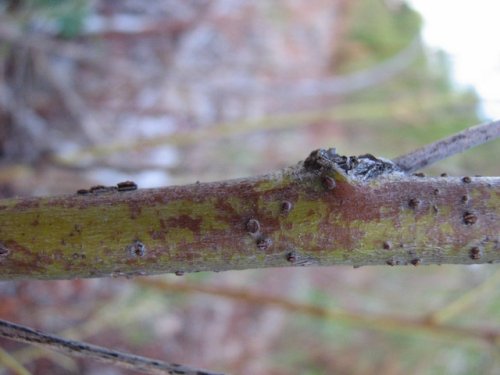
(328, 210)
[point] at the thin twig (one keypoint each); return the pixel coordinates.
(77, 348)
(444, 148)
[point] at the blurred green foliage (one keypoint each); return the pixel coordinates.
(65, 18)
(435, 106)
(376, 33)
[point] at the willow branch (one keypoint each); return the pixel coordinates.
(140, 364)
(327, 210)
(444, 148)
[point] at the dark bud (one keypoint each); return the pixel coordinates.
(328, 182)
(264, 243)
(469, 218)
(311, 162)
(413, 203)
(4, 251)
(416, 261)
(286, 207)
(291, 257)
(253, 226)
(137, 249)
(126, 186)
(101, 189)
(475, 253)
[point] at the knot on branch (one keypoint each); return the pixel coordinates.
(363, 167)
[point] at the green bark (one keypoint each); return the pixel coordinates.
(306, 215)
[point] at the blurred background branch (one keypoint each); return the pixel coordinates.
(338, 316)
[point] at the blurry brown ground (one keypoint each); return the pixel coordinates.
(171, 92)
